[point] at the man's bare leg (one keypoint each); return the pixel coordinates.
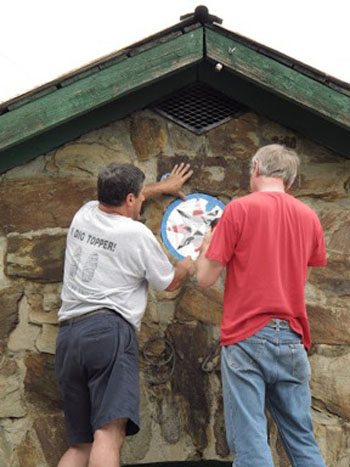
(76, 456)
(108, 441)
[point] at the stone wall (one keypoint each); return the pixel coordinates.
(181, 400)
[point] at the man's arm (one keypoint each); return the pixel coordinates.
(207, 270)
(182, 268)
(172, 184)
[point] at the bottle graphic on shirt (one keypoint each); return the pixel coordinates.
(90, 267)
(75, 262)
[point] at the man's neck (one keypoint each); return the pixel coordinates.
(270, 184)
(117, 210)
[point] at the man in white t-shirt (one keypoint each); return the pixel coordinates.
(111, 258)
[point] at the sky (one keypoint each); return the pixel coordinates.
(41, 40)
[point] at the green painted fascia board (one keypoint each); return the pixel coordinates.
(273, 75)
(104, 115)
(106, 85)
(272, 106)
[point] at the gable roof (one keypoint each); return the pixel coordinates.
(282, 89)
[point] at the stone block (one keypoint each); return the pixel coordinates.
(114, 136)
(9, 298)
(4, 281)
(41, 387)
(147, 135)
(5, 449)
(153, 212)
(221, 447)
(330, 383)
(137, 447)
(50, 430)
(41, 202)
(168, 416)
(44, 301)
(336, 223)
(236, 139)
(329, 325)
(309, 151)
(273, 133)
(43, 317)
(85, 160)
(202, 305)
(46, 341)
(333, 436)
(37, 256)
(325, 180)
(212, 175)
(182, 140)
(166, 311)
(163, 295)
(12, 403)
(52, 300)
(25, 334)
(334, 278)
(192, 345)
(11, 390)
(29, 453)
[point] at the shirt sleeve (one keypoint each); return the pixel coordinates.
(158, 270)
(318, 254)
(224, 239)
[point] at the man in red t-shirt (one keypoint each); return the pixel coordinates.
(266, 241)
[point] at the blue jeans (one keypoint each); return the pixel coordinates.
(268, 369)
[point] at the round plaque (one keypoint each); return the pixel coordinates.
(186, 222)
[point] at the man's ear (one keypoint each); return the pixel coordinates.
(129, 199)
(256, 170)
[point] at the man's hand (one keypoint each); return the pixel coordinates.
(183, 268)
(172, 184)
(178, 176)
(188, 264)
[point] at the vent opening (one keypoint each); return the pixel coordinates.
(199, 108)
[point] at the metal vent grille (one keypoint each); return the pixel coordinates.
(199, 108)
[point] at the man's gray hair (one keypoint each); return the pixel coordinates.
(277, 161)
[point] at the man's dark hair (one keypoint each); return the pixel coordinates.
(116, 181)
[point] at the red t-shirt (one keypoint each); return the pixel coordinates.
(266, 240)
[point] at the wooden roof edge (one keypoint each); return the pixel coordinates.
(102, 62)
(95, 90)
(167, 34)
(326, 79)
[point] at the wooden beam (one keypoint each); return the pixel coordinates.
(118, 109)
(281, 79)
(272, 106)
(101, 88)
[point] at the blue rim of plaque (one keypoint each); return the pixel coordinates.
(212, 202)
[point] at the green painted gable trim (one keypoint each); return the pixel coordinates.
(98, 89)
(270, 74)
(286, 112)
(97, 118)
(265, 81)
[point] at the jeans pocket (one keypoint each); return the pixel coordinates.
(246, 355)
(301, 365)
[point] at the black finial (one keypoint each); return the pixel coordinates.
(201, 15)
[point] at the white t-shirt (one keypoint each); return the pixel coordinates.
(110, 260)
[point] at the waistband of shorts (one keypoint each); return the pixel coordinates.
(278, 323)
(100, 311)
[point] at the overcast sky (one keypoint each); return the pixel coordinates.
(43, 39)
